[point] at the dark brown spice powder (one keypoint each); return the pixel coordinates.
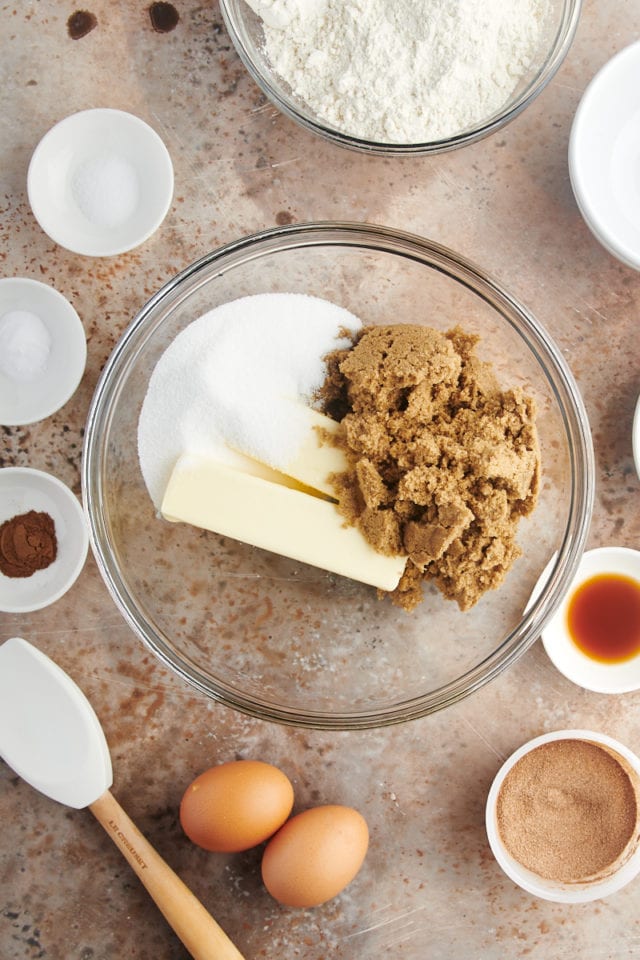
(568, 810)
(28, 543)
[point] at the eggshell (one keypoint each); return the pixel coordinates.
(236, 805)
(315, 855)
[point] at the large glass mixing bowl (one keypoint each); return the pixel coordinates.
(289, 642)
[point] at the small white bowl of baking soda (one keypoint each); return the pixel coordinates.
(43, 351)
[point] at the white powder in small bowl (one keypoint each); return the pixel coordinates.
(25, 344)
(106, 190)
(228, 380)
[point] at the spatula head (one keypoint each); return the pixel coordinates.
(49, 733)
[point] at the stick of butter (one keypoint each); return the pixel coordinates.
(315, 459)
(274, 517)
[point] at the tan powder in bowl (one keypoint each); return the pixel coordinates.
(568, 811)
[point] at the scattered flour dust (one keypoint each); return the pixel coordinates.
(402, 71)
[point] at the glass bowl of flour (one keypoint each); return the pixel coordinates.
(281, 638)
(401, 77)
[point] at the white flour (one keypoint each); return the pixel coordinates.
(403, 71)
(279, 13)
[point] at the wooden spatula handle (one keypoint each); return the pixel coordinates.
(197, 929)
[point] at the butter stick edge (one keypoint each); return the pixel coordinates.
(273, 517)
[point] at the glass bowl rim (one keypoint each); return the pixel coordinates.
(363, 236)
(557, 52)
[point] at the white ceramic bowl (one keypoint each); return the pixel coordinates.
(635, 438)
(604, 156)
(566, 655)
(100, 182)
(23, 489)
(25, 401)
(581, 892)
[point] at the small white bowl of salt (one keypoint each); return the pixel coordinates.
(43, 351)
(100, 182)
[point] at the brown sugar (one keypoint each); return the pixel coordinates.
(568, 811)
(443, 463)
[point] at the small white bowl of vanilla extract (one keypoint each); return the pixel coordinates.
(594, 637)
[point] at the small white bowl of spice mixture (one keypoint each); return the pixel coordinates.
(593, 639)
(563, 816)
(100, 182)
(43, 539)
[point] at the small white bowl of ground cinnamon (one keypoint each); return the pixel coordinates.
(563, 816)
(44, 539)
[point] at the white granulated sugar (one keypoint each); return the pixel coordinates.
(406, 71)
(227, 383)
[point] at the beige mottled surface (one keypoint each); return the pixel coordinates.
(430, 887)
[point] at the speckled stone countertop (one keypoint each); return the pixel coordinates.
(507, 204)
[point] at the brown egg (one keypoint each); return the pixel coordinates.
(315, 855)
(236, 805)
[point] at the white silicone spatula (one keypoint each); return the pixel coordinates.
(51, 737)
